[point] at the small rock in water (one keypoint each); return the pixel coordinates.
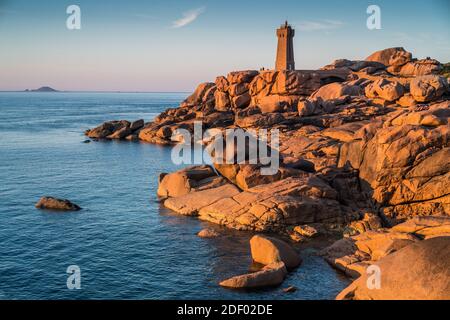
(208, 233)
(87, 141)
(290, 289)
(271, 275)
(56, 204)
(267, 250)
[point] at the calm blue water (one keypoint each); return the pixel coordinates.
(126, 246)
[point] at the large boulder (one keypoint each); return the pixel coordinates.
(191, 203)
(274, 206)
(267, 250)
(222, 101)
(276, 103)
(208, 98)
(420, 271)
(222, 84)
(336, 90)
(308, 108)
(164, 129)
(136, 125)
(237, 89)
(261, 85)
(56, 204)
(245, 76)
(186, 180)
(241, 101)
(385, 89)
(106, 129)
(247, 176)
(358, 65)
(428, 88)
(250, 176)
(420, 68)
(121, 133)
(296, 83)
(271, 275)
(156, 134)
(391, 57)
(198, 95)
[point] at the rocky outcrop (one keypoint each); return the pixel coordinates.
(391, 157)
(353, 139)
(403, 162)
(116, 130)
(363, 145)
(420, 271)
(392, 58)
(56, 204)
(400, 62)
(428, 88)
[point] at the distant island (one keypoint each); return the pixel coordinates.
(42, 89)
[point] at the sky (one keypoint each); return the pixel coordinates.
(171, 46)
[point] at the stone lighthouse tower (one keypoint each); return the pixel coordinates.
(285, 50)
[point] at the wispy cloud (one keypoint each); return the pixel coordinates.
(188, 17)
(319, 25)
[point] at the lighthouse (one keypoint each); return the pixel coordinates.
(285, 50)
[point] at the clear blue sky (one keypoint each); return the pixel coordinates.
(173, 45)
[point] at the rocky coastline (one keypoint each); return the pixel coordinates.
(364, 154)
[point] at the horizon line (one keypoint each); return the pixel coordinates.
(92, 91)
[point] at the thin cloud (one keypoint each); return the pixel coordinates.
(319, 25)
(188, 17)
